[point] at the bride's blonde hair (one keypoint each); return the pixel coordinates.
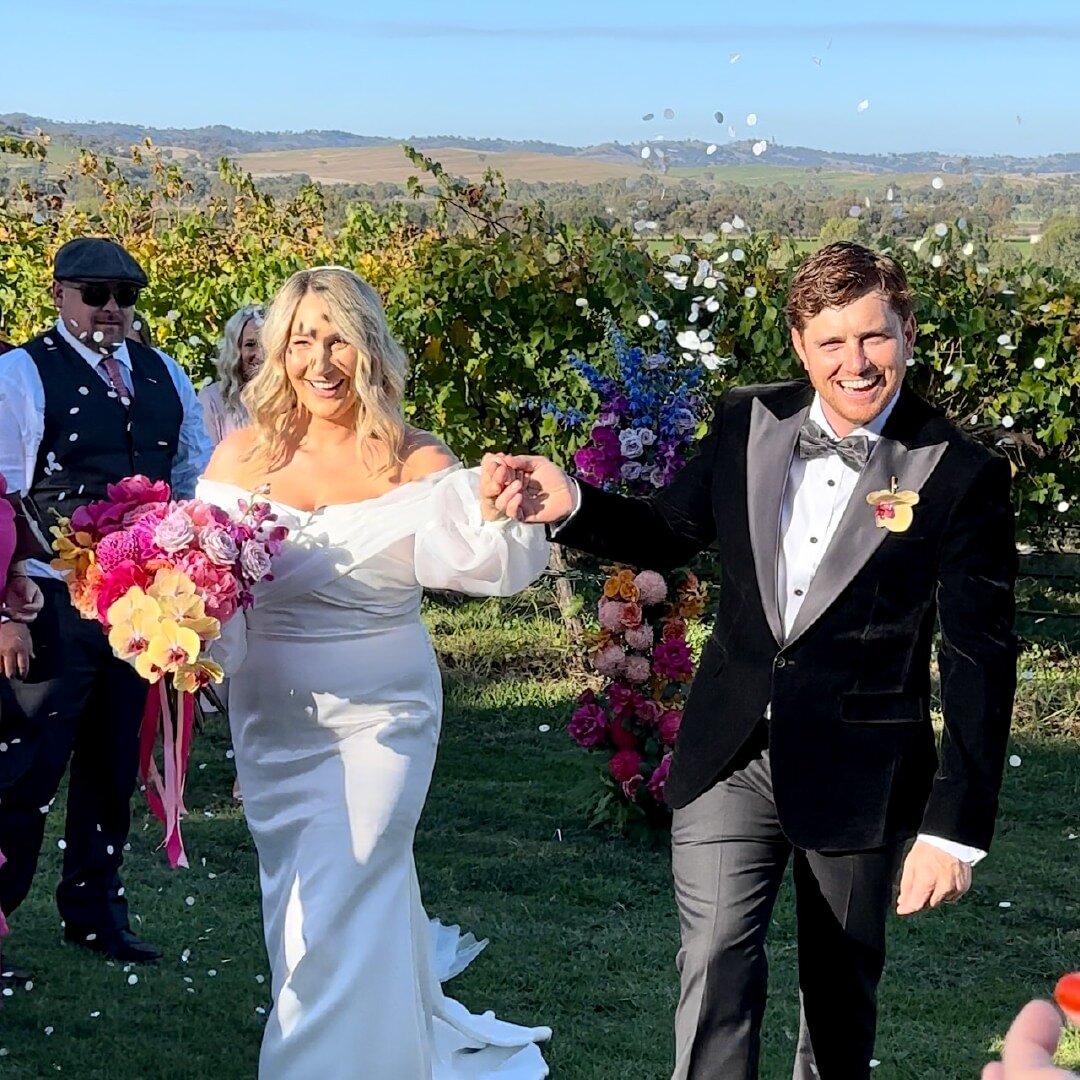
(381, 367)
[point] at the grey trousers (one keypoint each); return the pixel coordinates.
(728, 858)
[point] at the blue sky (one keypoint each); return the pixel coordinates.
(949, 75)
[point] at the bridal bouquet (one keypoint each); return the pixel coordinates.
(162, 575)
(642, 653)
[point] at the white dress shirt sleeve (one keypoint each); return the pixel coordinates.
(963, 852)
(22, 419)
(194, 448)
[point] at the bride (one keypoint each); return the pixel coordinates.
(336, 698)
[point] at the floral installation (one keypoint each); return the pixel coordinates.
(649, 415)
(161, 576)
(642, 654)
(650, 410)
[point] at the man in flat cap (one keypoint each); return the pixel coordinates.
(81, 407)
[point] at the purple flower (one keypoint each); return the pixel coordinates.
(254, 561)
(220, 548)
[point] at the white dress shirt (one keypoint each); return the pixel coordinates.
(816, 495)
(22, 422)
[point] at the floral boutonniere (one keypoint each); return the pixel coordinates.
(893, 508)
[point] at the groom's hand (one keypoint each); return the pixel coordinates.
(931, 877)
(527, 487)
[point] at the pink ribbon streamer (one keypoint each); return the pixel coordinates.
(165, 795)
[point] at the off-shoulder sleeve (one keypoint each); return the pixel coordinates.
(457, 550)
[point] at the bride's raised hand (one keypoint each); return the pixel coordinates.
(540, 494)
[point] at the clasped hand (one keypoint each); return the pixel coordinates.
(525, 487)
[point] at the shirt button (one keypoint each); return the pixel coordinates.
(832, 483)
(798, 592)
(813, 539)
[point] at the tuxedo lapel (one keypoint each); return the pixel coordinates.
(857, 537)
(769, 447)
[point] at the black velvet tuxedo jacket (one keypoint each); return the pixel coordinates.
(854, 758)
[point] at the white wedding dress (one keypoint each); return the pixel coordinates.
(335, 705)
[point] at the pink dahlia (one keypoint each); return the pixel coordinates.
(651, 586)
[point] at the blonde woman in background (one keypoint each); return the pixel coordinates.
(239, 358)
(336, 696)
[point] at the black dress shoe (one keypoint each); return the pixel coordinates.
(115, 944)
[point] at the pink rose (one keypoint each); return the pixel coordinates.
(218, 546)
(652, 588)
(671, 659)
(254, 561)
(609, 660)
(637, 669)
(658, 780)
(631, 615)
(610, 613)
(217, 586)
(668, 727)
(640, 637)
(116, 582)
(588, 726)
(630, 787)
(204, 514)
(674, 630)
(174, 532)
(625, 764)
(649, 713)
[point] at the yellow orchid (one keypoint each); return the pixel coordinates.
(134, 619)
(176, 594)
(206, 626)
(190, 677)
(172, 647)
(892, 508)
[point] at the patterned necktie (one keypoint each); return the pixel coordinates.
(814, 443)
(111, 367)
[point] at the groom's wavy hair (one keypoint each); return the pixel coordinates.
(379, 382)
(841, 273)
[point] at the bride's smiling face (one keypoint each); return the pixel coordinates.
(320, 363)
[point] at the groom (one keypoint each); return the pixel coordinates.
(850, 517)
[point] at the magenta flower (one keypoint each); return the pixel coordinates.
(588, 726)
(668, 727)
(658, 780)
(624, 765)
(671, 659)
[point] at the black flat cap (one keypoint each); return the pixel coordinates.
(93, 258)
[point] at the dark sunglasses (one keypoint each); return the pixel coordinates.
(98, 293)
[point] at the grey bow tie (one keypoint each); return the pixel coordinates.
(814, 443)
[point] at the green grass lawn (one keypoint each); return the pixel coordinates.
(582, 925)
